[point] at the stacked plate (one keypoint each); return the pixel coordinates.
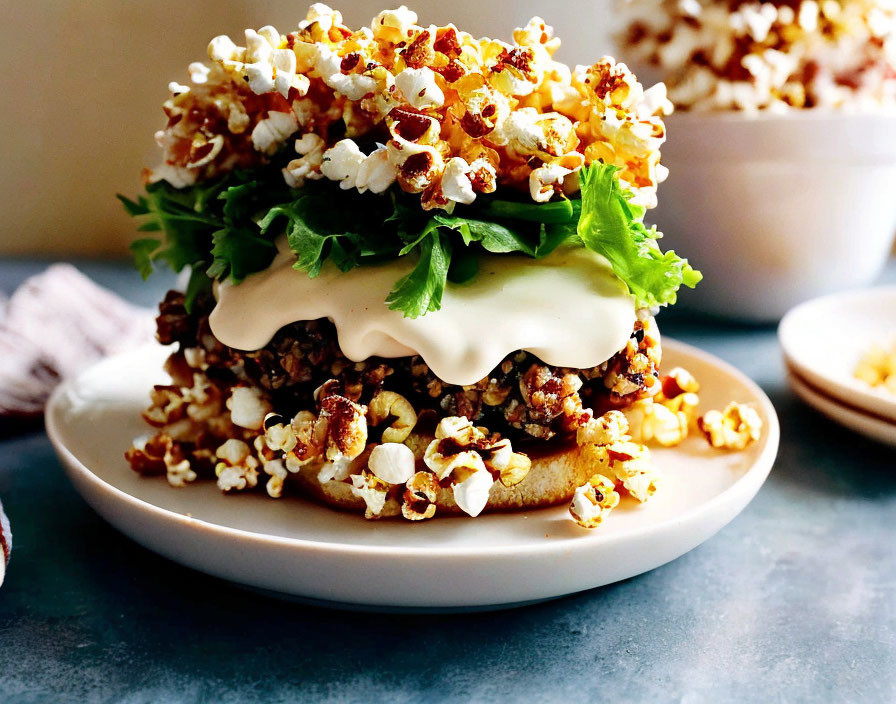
(824, 339)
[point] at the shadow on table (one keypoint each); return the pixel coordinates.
(819, 456)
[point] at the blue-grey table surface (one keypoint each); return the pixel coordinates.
(794, 601)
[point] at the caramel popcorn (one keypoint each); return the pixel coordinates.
(667, 417)
(390, 404)
(751, 55)
(457, 115)
(650, 421)
(237, 468)
(593, 501)
(419, 498)
(608, 444)
(732, 429)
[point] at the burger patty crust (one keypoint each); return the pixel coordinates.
(523, 398)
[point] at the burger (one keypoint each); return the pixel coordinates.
(420, 279)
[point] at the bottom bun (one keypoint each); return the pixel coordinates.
(552, 479)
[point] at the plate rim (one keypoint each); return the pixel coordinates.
(852, 393)
(858, 421)
(758, 472)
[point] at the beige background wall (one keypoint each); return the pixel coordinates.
(83, 82)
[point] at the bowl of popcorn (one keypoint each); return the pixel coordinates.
(782, 156)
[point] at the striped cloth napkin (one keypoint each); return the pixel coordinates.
(55, 324)
(5, 543)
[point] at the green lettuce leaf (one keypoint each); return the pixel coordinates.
(420, 292)
(610, 225)
(227, 229)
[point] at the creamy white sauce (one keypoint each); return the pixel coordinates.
(569, 309)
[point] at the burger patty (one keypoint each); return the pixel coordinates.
(523, 398)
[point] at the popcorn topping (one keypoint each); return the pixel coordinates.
(388, 404)
(485, 108)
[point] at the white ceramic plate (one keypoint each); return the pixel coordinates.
(295, 547)
(869, 425)
(823, 340)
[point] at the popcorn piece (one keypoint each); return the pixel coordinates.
(307, 167)
(277, 473)
(650, 421)
(353, 86)
(630, 463)
(419, 87)
(419, 498)
(373, 490)
(342, 163)
(471, 492)
(387, 404)
(392, 462)
(545, 181)
(732, 429)
(180, 473)
(456, 185)
(277, 434)
(346, 427)
(516, 468)
(236, 469)
(272, 132)
(147, 455)
(307, 443)
(376, 173)
(272, 465)
(593, 501)
(394, 26)
(611, 427)
(418, 165)
(248, 407)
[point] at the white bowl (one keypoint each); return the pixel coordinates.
(775, 209)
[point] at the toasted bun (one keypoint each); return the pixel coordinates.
(552, 479)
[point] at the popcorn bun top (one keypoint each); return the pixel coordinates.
(433, 109)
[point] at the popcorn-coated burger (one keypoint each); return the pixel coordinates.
(421, 282)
